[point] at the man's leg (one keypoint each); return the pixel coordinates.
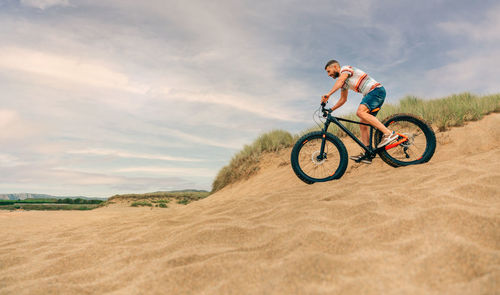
(364, 114)
(365, 139)
(365, 132)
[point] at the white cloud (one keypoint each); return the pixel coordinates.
(170, 171)
(192, 137)
(477, 73)
(66, 68)
(71, 182)
(124, 154)
(42, 4)
(243, 102)
(7, 160)
(82, 178)
(486, 30)
(7, 117)
(13, 126)
(475, 65)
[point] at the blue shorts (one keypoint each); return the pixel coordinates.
(374, 99)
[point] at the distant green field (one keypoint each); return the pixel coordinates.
(50, 204)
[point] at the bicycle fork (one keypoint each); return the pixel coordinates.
(322, 154)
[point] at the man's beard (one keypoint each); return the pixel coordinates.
(335, 75)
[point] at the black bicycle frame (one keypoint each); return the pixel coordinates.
(330, 119)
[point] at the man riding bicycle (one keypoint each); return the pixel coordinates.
(373, 98)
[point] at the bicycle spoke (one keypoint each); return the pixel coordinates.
(318, 169)
(415, 146)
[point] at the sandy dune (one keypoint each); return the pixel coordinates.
(428, 229)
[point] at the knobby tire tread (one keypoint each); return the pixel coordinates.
(313, 135)
(429, 134)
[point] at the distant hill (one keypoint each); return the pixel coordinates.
(23, 196)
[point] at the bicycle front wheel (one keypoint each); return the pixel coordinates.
(308, 163)
(417, 148)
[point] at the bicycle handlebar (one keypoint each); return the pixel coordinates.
(325, 111)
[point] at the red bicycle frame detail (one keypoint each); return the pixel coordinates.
(390, 146)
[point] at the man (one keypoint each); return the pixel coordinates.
(373, 98)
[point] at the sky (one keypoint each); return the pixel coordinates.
(122, 96)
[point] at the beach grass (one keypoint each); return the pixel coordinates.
(141, 204)
(246, 162)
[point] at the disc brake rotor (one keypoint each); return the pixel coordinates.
(315, 160)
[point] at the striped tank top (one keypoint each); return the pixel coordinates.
(358, 80)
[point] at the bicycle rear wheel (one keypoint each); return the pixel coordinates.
(417, 148)
(310, 166)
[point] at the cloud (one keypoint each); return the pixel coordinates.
(238, 102)
(7, 117)
(71, 182)
(43, 4)
(124, 154)
(474, 73)
(486, 30)
(177, 171)
(7, 160)
(192, 137)
(65, 68)
(474, 64)
(14, 127)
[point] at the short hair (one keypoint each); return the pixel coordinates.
(331, 63)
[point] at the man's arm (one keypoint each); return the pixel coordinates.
(338, 84)
(342, 99)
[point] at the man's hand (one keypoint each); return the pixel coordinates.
(324, 98)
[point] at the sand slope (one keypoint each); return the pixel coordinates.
(428, 229)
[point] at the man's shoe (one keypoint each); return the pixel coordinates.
(386, 139)
(362, 157)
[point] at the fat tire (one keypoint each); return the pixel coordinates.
(426, 129)
(294, 157)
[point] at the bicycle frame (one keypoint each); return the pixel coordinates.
(336, 120)
(371, 151)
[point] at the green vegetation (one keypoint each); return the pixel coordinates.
(183, 201)
(246, 162)
(161, 203)
(442, 113)
(161, 199)
(78, 201)
(50, 204)
(141, 204)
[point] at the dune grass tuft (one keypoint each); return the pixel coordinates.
(442, 113)
(141, 204)
(246, 162)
